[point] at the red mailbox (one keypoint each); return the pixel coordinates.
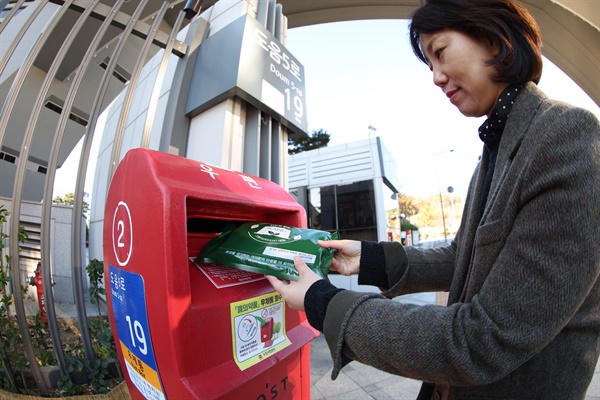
(187, 331)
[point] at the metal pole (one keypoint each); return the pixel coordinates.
(440, 191)
(443, 218)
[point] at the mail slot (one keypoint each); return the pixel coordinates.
(197, 331)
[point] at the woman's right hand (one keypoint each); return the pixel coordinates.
(346, 259)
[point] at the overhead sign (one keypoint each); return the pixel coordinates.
(244, 59)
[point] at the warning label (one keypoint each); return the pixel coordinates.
(258, 329)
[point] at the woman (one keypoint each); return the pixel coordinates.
(523, 315)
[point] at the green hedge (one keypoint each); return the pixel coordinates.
(407, 226)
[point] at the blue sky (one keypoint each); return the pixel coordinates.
(363, 73)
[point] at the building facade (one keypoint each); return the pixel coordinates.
(349, 188)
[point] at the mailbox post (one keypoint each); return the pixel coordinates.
(197, 331)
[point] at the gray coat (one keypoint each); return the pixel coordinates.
(523, 315)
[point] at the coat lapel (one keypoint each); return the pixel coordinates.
(516, 127)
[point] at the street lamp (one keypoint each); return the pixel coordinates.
(450, 190)
(399, 224)
(440, 191)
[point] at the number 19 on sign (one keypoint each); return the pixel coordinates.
(140, 344)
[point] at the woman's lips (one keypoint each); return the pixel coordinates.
(452, 94)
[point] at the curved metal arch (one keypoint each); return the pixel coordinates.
(11, 14)
(17, 85)
(162, 69)
(131, 90)
(104, 83)
(25, 149)
(16, 203)
(571, 42)
(78, 195)
(11, 48)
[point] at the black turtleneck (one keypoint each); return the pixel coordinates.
(490, 132)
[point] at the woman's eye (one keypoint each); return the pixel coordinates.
(437, 53)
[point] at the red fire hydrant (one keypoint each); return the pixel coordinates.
(37, 282)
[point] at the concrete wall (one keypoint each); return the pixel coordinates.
(60, 247)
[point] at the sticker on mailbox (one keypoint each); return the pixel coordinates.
(131, 320)
(223, 277)
(258, 329)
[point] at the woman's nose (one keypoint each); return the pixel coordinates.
(439, 77)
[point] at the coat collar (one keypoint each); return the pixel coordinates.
(517, 125)
(515, 131)
(521, 115)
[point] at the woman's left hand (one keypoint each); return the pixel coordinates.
(293, 292)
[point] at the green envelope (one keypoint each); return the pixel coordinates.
(269, 249)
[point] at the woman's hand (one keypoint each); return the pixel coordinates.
(293, 292)
(346, 259)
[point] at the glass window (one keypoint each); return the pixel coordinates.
(322, 208)
(356, 205)
(314, 208)
(348, 209)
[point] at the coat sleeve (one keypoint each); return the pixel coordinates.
(537, 283)
(426, 270)
(387, 265)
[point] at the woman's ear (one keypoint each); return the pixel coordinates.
(495, 47)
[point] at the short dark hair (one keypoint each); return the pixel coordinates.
(503, 22)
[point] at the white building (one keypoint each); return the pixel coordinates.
(348, 188)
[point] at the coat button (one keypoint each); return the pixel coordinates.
(436, 396)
